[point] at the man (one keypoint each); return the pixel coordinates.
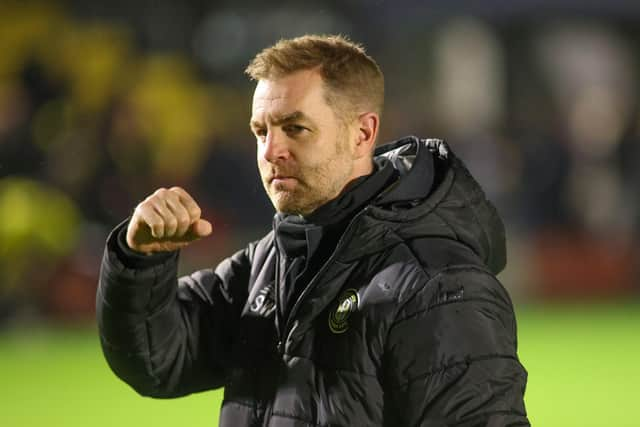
(372, 302)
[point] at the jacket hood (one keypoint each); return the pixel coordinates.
(436, 196)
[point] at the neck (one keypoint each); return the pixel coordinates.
(358, 172)
(362, 167)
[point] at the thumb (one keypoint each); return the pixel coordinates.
(201, 228)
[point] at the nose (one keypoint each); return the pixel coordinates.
(275, 147)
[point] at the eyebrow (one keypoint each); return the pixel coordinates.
(282, 119)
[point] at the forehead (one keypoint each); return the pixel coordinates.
(302, 90)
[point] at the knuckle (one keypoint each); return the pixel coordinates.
(150, 201)
(195, 211)
(160, 193)
(140, 213)
(147, 208)
(144, 205)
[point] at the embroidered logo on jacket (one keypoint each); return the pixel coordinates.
(347, 304)
(264, 303)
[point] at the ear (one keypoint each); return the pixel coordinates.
(368, 125)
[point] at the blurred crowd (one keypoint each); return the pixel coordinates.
(99, 107)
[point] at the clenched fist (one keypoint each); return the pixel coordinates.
(165, 221)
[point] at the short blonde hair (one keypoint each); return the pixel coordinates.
(353, 80)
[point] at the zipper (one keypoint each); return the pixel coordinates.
(282, 336)
(278, 314)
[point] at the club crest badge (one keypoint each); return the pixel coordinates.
(338, 317)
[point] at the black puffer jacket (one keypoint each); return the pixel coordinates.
(404, 325)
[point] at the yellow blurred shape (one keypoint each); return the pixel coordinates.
(174, 110)
(35, 219)
(26, 30)
(94, 59)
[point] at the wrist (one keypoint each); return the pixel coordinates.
(132, 258)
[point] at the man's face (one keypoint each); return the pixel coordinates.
(304, 155)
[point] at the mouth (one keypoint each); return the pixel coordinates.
(280, 179)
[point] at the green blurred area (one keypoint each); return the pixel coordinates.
(582, 363)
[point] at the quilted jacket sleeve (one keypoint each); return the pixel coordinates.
(164, 336)
(451, 356)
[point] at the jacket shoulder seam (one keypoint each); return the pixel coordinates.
(439, 274)
(467, 360)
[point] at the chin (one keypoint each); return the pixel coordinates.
(286, 204)
(289, 209)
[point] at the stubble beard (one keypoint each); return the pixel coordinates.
(314, 185)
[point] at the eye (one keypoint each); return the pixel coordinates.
(260, 132)
(293, 129)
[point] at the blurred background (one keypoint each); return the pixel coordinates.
(103, 102)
